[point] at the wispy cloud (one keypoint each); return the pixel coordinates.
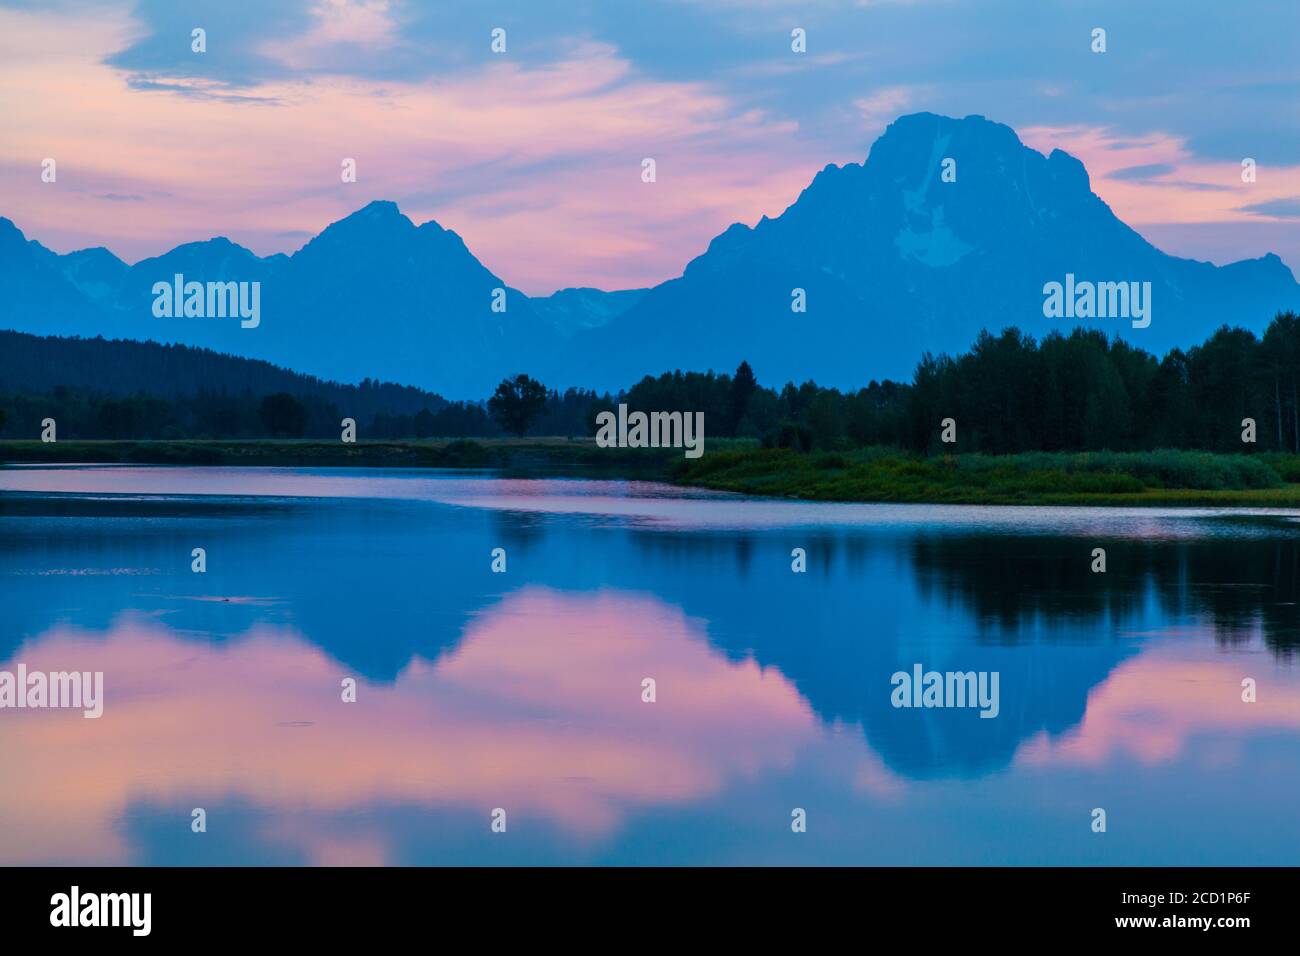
(538, 167)
(534, 156)
(1124, 169)
(1142, 173)
(1287, 207)
(880, 108)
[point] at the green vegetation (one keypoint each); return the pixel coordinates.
(1089, 478)
(878, 474)
(527, 456)
(1083, 392)
(1075, 418)
(1008, 393)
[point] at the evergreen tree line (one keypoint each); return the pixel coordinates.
(94, 415)
(1082, 392)
(1076, 391)
(1008, 393)
(123, 369)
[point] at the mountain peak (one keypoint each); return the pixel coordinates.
(94, 252)
(377, 224)
(378, 212)
(216, 249)
(380, 209)
(930, 127)
(1069, 169)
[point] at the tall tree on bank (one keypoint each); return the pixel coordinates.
(283, 415)
(1281, 347)
(516, 403)
(743, 387)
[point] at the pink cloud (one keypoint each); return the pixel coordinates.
(1184, 191)
(538, 169)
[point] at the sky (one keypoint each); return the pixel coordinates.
(534, 155)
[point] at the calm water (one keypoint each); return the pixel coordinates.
(523, 690)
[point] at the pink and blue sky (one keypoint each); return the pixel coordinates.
(534, 155)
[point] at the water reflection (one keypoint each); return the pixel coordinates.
(538, 710)
(523, 690)
(1243, 586)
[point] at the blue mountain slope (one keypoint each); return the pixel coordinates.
(372, 295)
(895, 262)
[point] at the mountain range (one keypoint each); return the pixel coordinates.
(893, 260)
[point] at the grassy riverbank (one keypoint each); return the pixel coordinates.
(1096, 478)
(874, 474)
(526, 455)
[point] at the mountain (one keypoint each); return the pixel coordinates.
(895, 262)
(34, 290)
(892, 259)
(574, 310)
(373, 295)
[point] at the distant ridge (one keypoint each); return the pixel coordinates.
(892, 260)
(39, 364)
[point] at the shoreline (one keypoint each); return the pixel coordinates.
(525, 455)
(1086, 479)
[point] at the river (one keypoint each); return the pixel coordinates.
(520, 696)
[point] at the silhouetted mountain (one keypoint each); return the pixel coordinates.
(893, 260)
(36, 294)
(371, 296)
